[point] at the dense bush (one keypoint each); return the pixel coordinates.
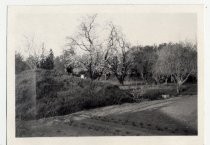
(20, 64)
(155, 92)
(91, 96)
(57, 94)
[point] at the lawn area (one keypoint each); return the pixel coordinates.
(174, 116)
(179, 117)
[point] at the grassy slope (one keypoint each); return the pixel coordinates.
(44, 93)
(146, 118)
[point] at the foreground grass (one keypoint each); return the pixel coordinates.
(174, 116)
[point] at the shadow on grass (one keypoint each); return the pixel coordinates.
(144, 123)
(156, 121)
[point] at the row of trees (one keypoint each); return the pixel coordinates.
(43, 61)
(113, 54)
(176, 61)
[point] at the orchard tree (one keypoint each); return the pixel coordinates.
(118, 55)
(33, 51)
(144, 58)
(65, 61)
(87, 41)
(177, 61)
(32, 62)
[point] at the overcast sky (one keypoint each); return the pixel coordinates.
(139, 28)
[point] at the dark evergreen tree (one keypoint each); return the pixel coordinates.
(48, 61)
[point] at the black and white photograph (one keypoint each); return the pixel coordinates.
(91, 71)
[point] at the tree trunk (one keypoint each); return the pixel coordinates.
(99, 77)
(121, 80)
(142, 76)
(180, 82)
(166, 80)
(90, 72)
(178, 87)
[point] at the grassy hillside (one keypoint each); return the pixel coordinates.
(44, 93)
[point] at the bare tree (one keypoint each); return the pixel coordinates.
(178, 61)
(118, 59)
(87, 41)
(34, 52)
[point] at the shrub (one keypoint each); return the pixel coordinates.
(156, 94)
(20, 64)
(56, 94)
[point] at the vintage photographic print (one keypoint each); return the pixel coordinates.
(97, 71)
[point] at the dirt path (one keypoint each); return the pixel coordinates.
(175, 116)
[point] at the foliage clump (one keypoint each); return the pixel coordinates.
(57, 94)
